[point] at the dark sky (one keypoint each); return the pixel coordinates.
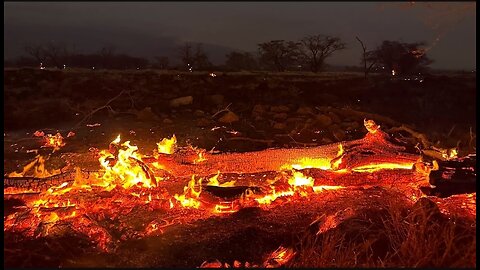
(156, 28)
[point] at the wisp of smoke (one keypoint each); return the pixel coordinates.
(440, 17)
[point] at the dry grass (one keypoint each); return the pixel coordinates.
(395, 236)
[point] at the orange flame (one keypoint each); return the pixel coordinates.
(190, 195)
(371, 126)
(201, 155)
(299, 184)
(304, 163)
(299, 179)
(167, 146)
(54, 141)
(279, 257)
(127, 169)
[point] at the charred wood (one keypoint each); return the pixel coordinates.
(454, 176)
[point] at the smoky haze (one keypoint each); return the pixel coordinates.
(151, 29)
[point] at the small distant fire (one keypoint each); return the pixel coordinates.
(53, 141)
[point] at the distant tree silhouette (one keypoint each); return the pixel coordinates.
(58, 54)
(107, 54)
(124, 61)
(161, 62)
(193, 60)
(87, 60)
(315, 49)
(23, 61)
(201, 61)
(37, 52)
(186, 55)
(403, 58)
(240, 61)
(278, 54)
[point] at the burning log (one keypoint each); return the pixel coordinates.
(42, 184)
(374, 148)
(375, 151)
(34, 183)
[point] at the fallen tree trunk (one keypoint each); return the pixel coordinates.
(40, 184)
(34, 183)
(375, 148)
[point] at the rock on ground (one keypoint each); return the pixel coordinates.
(181, 101)
(229, 118)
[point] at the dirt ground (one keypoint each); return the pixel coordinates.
(231, 112)
(275, 110)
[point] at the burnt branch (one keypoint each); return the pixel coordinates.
(365, 58)
(106, 106)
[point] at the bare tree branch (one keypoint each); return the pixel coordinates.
(37, 52)
(106, 106)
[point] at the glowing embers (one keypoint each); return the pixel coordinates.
(227, 207)
(383, 166)
(371, 126)
(51, 202)
(279, 257)
(288, 184)
(276, 259)
(61, 189)
(299, 179)
(200, 155)
(123, 165)
(298, 185)
(53, 141)
(269, 198)
(318, 163)
(304, 163)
